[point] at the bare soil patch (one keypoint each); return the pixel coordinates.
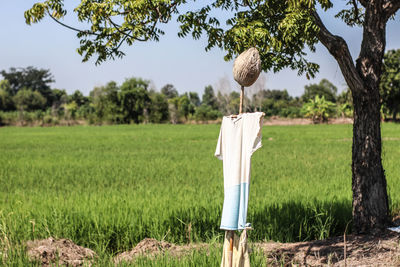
(383, 250)
(152, 247)
(51, 251)
(352, 250)
(301, 121)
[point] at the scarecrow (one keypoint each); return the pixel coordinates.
(239, 137)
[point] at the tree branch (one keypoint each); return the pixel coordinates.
(117, 27)
(364, 3)
(338, 48)
(356, 15)
(391, 7)
(72, 28)
(121, 42)
(125, 34)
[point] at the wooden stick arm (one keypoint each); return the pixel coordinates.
(235, 115)
(241, 100)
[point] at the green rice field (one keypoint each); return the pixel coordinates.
(109, 187)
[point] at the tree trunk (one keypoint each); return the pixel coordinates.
(370, 200)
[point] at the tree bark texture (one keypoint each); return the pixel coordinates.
(370, 199)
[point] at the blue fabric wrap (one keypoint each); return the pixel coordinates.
(234, 211)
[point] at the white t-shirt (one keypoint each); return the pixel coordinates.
(238, 138)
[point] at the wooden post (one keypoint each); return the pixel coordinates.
(230, 251)
(241, 100)
(230, 234)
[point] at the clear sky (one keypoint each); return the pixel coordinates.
(181, 62)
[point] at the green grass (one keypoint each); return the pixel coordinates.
(109, 187)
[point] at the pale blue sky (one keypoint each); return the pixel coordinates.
(181, 62)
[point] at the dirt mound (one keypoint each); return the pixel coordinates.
(383, 250)
(152, 247)
(62, 252)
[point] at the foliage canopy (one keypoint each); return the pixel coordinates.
(279, 29)
(29, 78)
(390, 82)
(318, 109)
(323, 88)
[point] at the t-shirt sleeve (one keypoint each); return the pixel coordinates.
(218, 150)
(253, 131)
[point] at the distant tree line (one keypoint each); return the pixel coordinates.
(26, 98)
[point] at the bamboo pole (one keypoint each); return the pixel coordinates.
(230, 251)
(241, 100)
(231, 233)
